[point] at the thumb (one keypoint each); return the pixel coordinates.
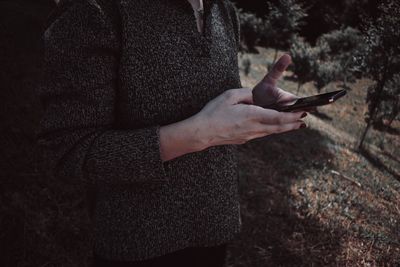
(240, 95)
(277, 70)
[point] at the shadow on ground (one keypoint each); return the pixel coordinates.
(274, 230)
(322, 116)
(378, 163)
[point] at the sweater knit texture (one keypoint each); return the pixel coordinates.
(116, 71)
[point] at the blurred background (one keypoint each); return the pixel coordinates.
(328, 195)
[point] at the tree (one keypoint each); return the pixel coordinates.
(251, 28)
(283, 22)
(381, 61)
(389, 105)
(340, 46)
(324, 73)
(303, 58)
(246, 66)
(392, 110)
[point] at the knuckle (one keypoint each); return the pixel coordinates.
(230, 94)
(277, 120)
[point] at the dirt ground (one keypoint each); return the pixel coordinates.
(309, 198)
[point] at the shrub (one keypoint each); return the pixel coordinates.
(283, 22)
(325, 72)
(304, 57)
(251, 29)
(341, 46)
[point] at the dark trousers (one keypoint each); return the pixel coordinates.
(188, 257)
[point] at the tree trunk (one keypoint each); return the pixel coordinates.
(345, 74)
(275, 56)
(364, 134)
(375, 105)
(395, 111)
(374, 109)
(298, 88)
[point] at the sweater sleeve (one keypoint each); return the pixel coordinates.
(78, 127)
(236, 23)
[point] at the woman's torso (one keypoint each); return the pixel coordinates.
(167, 72)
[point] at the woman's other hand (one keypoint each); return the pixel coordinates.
(266, 92)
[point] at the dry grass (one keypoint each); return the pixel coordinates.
(297, 210)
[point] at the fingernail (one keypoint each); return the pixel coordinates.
(303, 125)
(304, 115)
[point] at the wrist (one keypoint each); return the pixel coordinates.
(181, 138)
(198, 136)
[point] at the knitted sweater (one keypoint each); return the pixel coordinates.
(113, 78)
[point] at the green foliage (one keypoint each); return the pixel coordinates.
(341, 42)
(251, 28)
(303, 58)
(382, 37)
(341, 46)
(277, 29)
(389, 105)
(380, 60)
(283, 22)
(325, 72)
(331, 59)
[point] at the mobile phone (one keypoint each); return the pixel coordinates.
(308, 102)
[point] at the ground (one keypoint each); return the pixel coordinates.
(309, 197)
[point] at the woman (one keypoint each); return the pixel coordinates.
(143, 104)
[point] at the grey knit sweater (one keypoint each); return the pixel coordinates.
(113, 78)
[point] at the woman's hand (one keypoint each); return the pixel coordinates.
(232, 119)
(266, 92)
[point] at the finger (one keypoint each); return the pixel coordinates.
(240, 95)
(287, 127)
(264, 130)
(285, 96)
(309, 110)
(273, 117)
(278, 69)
